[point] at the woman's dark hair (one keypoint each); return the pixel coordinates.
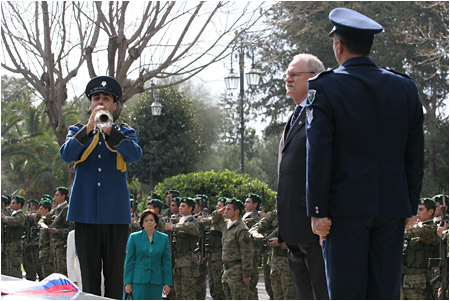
(148, 212)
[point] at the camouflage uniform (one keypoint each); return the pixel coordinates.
(185, 274)
(237, 257)
(422, 244)
(31, 262)
(57, 218)
(281, 280)
(214, 259)
(6, 212)
(13, 249)
(201, 281)
(45, 256)
(250, 219)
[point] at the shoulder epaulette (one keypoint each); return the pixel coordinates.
(329, 70)
(399, 73)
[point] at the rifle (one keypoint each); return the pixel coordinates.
(443, 253)
(271, 235)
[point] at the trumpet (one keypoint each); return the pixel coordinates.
(103, 119)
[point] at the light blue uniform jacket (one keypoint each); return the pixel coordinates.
(141, 266)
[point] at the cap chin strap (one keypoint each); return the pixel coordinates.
(120, 162)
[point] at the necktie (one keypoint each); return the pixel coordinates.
(297, 111)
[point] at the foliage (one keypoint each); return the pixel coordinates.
(171, 143)
(30, 156)
(216, 184)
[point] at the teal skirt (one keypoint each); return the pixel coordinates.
(147, 291)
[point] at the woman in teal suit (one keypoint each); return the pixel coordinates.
(148, 266)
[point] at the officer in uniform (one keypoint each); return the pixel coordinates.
(237, 250)
(422, 243)
(5, 212)
(31, 263)
(184, 241)
(280, 277)
(100, 200)
(365, 152)
(134, 226)
(170, 195)
(251, 217)
(6, 200)
(13, 248)
(201, 201)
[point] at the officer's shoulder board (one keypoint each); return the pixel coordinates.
(399, 73)
(329, 70)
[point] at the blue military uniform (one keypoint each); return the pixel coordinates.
(98, 174)
(100, 201)
(364, 166)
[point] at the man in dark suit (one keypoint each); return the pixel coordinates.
(364, 163)
(305, 256)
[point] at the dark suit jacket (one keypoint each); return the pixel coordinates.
(294, 224)
(364, 142)
(141, 266)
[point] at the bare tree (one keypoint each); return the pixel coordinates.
(132, 41)
(47, 49)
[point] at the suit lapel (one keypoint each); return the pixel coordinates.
(299, 123)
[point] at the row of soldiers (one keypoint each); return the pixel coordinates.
(424, 273)
(35, 238)
(220, 245)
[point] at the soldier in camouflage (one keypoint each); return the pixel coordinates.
(156, 205)
(134, 225)
(59, 228)
(5, 212)
(201, 209)
(237, 250)
(184, 241)
(214, 253)
(251, 217)
(422, 244)
(280, 277)
(13, 249)
(45, 257)
(31, 263)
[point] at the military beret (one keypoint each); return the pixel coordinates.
(19, 198)
(189, 201)
(6, 198)
(105, 84)
(255, 197)
(427, 201)
(46, 201)
(201, 198)
(62, 189)
(353, 25)
(234, 201)
(132, 196)
(174, 193)
(154, 195)
(155, 203)
(33, 201)
(222, 199)
(177, 199)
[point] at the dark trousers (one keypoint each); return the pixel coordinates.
(363, 258)
(102, 246)
(308, 271)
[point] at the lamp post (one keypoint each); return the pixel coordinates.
(156, 108)
(231, 82)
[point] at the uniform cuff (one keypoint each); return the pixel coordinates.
(115, 137)
(82, 137)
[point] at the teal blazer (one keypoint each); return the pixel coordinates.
(141, 266)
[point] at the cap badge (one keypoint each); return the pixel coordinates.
(103, 83)
(311, 96)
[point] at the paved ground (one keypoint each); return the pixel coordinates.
(262, 294)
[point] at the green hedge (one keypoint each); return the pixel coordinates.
(216, 184)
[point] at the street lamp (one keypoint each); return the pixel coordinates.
(231, 82)
(156, 108)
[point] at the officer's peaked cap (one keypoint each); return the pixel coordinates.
(353, 25)
(105, 84)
